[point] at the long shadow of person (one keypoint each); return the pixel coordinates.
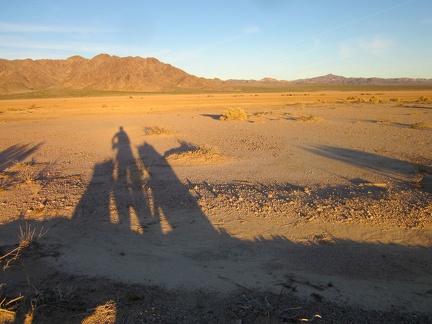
(172, 203)
(127, 187)
(94, 206)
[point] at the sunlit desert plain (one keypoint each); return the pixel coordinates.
(166, 208)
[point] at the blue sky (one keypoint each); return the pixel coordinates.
(243, 39)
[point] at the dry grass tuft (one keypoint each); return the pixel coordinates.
(396, 99)
(157, 130)
(106, 313)
(29, 235)
(422, 125)
(234, 114)
(375, 100)
(26, 237)
(355, 99)
(262, 113)
(424, 99)
(308, 118)
(197, 153)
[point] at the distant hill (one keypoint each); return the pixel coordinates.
(113, 73)
(336, 79)
(330, 79)
(102, 72)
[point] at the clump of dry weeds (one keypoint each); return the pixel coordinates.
(157, 130)
(424, 99)
(375, 100)
(234, 114)
(198, 153)
(308, 118)
(422, 125)
(355, 99)
(106, 313)
(27, 236)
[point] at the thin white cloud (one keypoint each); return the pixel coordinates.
(251, 29)
(345, 51)
(32, 28)
(376, 45)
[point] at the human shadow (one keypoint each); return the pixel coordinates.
(16, 153)
(143, 195)
(171, 200)
(127, 181)
(389, 167)
(94, 204)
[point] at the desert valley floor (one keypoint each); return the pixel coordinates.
(153, 209)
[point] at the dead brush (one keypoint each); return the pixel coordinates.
(157, 130)
(234, 114)
(308, 118)
(5, 181)
(27, 237)
(270, 307)
(424, 99)
(28, 171)
(203, 152)
(262, 113)
(8, 306)
(421, 125)
(106, 313)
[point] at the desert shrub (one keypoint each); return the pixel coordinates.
(355, 99)
(28, 235)
(203, 152)
(321, 101)
(305, 118)
(421, 125)
(396, 99)
(262, 113)
(234, 114)
(375, 100)
(105, 313)
(157, 130)
(425, 100)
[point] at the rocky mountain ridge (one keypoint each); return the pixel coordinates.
(106, 72)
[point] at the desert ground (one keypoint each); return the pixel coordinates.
(150, 208)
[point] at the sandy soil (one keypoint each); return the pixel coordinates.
(158, 211)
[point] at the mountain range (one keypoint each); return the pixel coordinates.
(106, 72)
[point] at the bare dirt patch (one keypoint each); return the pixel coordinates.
(256, 220)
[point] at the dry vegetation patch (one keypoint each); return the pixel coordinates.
(193, 153)
(424, 99)
(308, 118)
(105, 313)
(157, 130)
(422, 125)
(234, 114)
